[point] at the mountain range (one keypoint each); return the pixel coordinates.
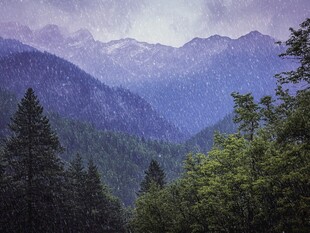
(66, 89)
(190, 86)
(155, 92)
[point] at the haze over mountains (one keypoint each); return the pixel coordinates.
(69, 91)
(154, 116)
(190, 86)
(152, 91)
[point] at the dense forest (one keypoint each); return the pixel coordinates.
(120, 157)
(37, 194)
(254, 180)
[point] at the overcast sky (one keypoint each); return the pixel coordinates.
(170, 22)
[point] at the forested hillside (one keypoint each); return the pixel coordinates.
(203, 141)
(69, 91)
(256, 180)
(214, 145)
(37, 194)
(120, 158)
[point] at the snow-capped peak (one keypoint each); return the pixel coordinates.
(127, 43)
(80, 38)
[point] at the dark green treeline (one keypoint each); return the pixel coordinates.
(37, 194)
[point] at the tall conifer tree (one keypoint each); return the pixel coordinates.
(76, 194)
(35, 170)
(155, 175)
(104, 213)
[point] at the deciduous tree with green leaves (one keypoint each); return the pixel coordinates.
(247, 114)
(252, 182)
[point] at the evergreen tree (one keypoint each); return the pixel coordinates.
(155, 175)
(103, 213)
(35, 171)
(76, 195)
(5, 195)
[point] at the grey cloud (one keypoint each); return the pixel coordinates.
(240, 16)
(166, 21)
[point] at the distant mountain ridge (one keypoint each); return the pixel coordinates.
(66, 89)
(190, 85)
(203, 142)
(11, 46)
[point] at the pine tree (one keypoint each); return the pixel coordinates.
(5, 194)
(104, 213)
(155, 175)
(35, 171)
(76, 194)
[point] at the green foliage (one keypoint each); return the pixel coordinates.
(242, 185)
(34, 170)
(267, 110)
(298, 48)
(203, 142)
(103, 212)
(121, 158)
(154, 176)
(76, 195)
(296, 128)
(151, 213)
(223, 186)
(247, 114)
(37, 195)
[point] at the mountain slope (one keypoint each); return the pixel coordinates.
(71, 92)
(190, 85)
(121, 159)
(9, 47)
(202, 142)
(200, 96)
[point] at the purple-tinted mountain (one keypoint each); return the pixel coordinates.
(201, 95)
(16, 31)
(190, 85)
(64, 88)
(9, 47)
